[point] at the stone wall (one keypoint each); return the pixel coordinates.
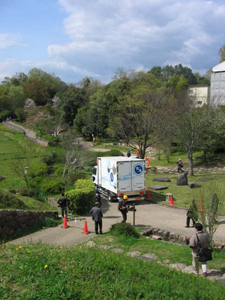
(17, 221)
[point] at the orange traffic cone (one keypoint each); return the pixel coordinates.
(65, 223)
(85, 228)
(148, 195)
(201, 208)
(171, 200)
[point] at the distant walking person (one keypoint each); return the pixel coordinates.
(63, 204)
(179, 166)
(150, 151)
(201, 238)
(123, 209)
(97, 217)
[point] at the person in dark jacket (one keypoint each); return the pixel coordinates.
(123, 209)
(63, 203)
(180, 166)
(98, 197)
(97, 217)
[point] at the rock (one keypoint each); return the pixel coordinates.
(147, 232)
(2, 177)
(149, 256)
(178, 266)
(117, 250)
(29, 104)
(156, 237)
(194, 185)
(182, 179)
(90, 244)
(166, 261)
(133, 254)
(158, 187)
(204, 179)
(104, 247)
(162, 179)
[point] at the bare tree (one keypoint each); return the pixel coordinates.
(212, 199)
(21, 163)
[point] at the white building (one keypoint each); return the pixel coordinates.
(217, 96)
(199, 94)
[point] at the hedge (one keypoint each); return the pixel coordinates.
(82, 198)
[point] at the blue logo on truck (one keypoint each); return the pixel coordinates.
(111, 177)
(138, 169)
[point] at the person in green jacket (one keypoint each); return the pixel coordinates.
(192, 214)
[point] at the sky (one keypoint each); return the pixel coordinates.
(78, 38)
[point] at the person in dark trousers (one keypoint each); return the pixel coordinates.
(180, 166)
(98, 197)
(63, 203)
(194, 245)
(123, 209)
(97, 217)
(192, 214)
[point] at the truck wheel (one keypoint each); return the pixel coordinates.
(110, 197)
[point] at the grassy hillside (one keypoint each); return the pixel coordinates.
(53, 272)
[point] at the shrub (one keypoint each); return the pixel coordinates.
(38, 170)
(75, 176)
(51, 222)
(40, 195)
(10, 201)
(27, 193)
(124, 229)
(34, 182)
(49, 159)
(82, 198)
(54, 186)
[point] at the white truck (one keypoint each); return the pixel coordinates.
(118, 175)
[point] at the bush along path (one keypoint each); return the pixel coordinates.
(212, 274)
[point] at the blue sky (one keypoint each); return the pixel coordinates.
(78, 38)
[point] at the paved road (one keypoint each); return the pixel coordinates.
(156, 215)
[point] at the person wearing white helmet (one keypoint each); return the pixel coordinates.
(179, 166)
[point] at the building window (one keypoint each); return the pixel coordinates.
(199, 102)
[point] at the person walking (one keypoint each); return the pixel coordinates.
(63, 203)
(203, 239)
(98, 197)
(192, 214)
(97, 217)
(123, 209)
(180, 166)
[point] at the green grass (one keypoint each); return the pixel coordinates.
(182, 195)
(176, 253)
(52, 272)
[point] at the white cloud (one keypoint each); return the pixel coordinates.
(8, 40)
(132, 33)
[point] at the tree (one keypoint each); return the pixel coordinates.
(74, 154)
(70, 101)
(212, 197)
(137, 114)
(21, 162)
(189, 129)
(37, 91)
(222, 53)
